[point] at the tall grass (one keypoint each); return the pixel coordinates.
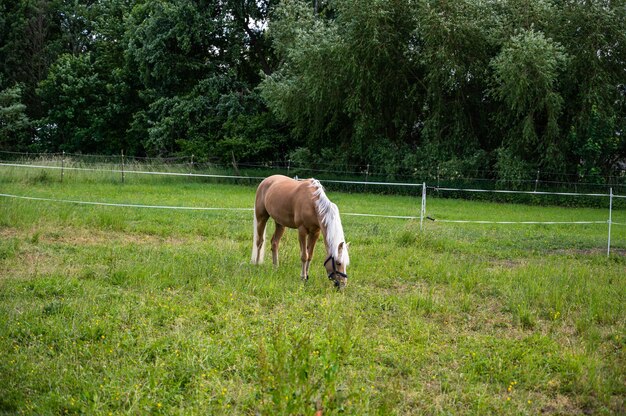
(129, 310)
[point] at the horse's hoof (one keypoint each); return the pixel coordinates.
(304, 278)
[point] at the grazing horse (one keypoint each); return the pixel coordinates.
(302, 205)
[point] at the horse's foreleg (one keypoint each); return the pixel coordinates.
(311, 240)
(278, 233)
(258, 249)
(304, 255)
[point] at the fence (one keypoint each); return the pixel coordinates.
(423, 187)
(441, 175)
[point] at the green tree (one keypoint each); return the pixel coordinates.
(465, 84)
(73, 93)
(15, 127)
(198, 64)
(525, 82)
(29, 44)
(594, 115)
(347, 79)
(89, 94)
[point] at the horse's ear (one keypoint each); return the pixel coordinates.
(340, 249)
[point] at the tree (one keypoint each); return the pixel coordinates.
(198, 64)
(468, 84)
(14, 123)
(347, 77)
(525, 75)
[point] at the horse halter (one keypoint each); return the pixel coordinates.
(335, 271)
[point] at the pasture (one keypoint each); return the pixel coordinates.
(121, 310)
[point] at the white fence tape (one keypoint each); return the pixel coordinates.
(352, 214)
(200, 175)
(504, 191)
(206, 175)
(141, 172)
(522, 222)
(110, 204)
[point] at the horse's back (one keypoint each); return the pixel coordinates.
(288, 201)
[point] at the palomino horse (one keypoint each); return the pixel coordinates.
(302, 205)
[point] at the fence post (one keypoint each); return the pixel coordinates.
(367, 174)
(537, 180)
(62, 166)
(288, 166)
(122, 166)
(423, 210)
(608, 249)
(191, 171)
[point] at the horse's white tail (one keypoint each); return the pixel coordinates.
(257, 255)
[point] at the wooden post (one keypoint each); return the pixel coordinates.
(536, 180)
(62, 166)
(122, 166)
(608, 248)
(423, 210)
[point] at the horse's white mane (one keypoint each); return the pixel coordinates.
(329, 214)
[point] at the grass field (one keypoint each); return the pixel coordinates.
(111, 310)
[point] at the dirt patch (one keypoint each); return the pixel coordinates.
(85, 237)
(562, 405)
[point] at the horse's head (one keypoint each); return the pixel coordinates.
(336, 267)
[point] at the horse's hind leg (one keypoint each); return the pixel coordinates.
(278, 233)
(258, 244)
(304, 255)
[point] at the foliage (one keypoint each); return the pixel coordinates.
(14, 123)
(449, 80)
(404, 85)
(525, 74)
(602, 146)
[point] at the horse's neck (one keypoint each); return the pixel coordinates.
(332, 232)
(328, 218)
(329, 249)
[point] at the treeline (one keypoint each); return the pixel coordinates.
(509, 87)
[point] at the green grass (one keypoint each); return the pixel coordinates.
(136, 311)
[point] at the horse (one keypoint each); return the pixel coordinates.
(303, 205)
